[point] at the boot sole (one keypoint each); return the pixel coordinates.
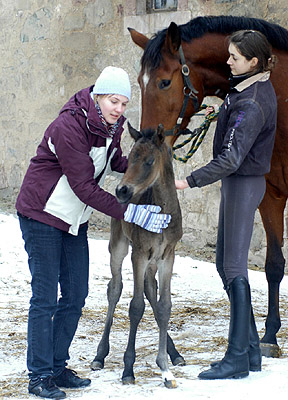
(239, 375)
(39, 393)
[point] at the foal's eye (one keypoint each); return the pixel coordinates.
(164, 84)
(149, 161)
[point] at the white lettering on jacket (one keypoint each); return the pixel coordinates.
(231, 139)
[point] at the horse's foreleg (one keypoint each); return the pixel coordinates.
(272, 211)
(118, 248)
(136, 310)
(163, 311)
(113, 294)
(150, 289)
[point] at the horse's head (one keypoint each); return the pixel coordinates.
(146, 163)
(164, 80)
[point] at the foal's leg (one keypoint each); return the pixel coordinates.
(150, 289)
(136, 310)
(163, 310)
(118, 248)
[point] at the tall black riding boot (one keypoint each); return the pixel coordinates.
(235, 364)
(254, 353)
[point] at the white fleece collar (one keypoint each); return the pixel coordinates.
(261, 77)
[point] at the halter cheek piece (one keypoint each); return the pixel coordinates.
(189, 93)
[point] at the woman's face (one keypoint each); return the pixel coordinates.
(239, 64)
(112, 106)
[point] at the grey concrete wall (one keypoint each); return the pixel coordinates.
(50, 49)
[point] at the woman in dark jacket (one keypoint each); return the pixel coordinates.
(62, 186)
(242, 151)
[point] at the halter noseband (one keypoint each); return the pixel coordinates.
(189, 93)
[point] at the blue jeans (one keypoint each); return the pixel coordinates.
(54, 257)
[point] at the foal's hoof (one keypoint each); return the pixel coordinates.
(179, 361)
(96, 365)
(128, 380)
(170, 384)
(270, 350)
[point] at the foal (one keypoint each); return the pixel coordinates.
(149, 179)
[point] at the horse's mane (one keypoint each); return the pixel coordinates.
(148, 133)
(197, 27)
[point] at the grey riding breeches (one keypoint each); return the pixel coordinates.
(240, 198)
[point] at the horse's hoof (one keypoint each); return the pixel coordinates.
(96, 365)
(128, 380)
(170, 384)
(179, 361)
(270, 350)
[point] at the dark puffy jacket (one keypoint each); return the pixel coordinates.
(245, 133)
(63, 182)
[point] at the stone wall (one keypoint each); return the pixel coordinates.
(51, 49)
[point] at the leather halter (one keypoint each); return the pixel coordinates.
(189, 93)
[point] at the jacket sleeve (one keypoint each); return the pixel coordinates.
(119, 162)
(72, 151)
(244, 125)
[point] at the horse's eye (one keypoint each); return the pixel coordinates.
(134, 157)
(164, 84)
(149, 162)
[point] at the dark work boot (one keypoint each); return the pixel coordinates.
(69, 379)
(235, 363)
(254, 353)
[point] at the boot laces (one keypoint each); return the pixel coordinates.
(49, 383)
(69, 372)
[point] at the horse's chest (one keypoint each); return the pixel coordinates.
(152, 249)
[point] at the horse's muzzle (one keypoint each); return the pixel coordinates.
(124, 193)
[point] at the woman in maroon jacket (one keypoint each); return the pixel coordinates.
(242, 150)
(62, 186)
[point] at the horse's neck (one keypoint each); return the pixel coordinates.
(164, 189)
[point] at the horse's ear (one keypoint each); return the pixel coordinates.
(136, 135)
(160, 133)
(138, 38)
(173, 38)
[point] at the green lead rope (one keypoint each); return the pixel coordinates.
(197, 135)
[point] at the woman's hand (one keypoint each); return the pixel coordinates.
(211, 109)
(181, 184)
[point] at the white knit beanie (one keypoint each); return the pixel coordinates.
(113, 80)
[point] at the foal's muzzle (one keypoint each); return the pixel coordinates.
(124, 193)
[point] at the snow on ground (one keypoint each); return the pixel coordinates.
(198, 326)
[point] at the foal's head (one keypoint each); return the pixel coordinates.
(146, 163)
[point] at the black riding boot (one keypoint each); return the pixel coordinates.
(254, 353)
(235, 363)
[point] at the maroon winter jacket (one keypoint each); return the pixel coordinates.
(63, 183)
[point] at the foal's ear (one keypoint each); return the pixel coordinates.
(136, 135)
(160, 133)
(173, 38)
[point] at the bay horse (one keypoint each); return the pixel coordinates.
(181, 65)
(149, 179)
